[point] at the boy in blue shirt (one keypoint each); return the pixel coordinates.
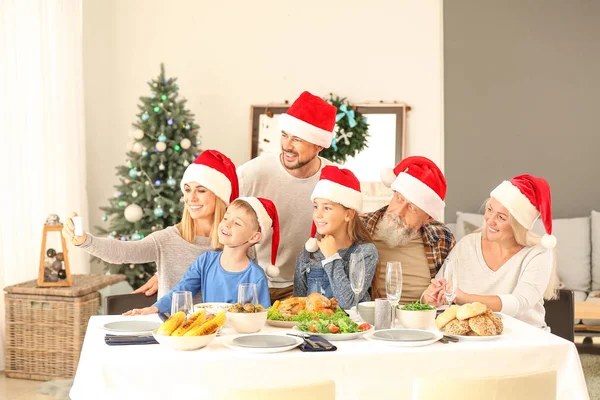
(217, 274)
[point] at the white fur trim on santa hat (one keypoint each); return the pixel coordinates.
(296, 127)
(337, 193)
(210, 178)
(517, 204)
(264, 220)
(311, 245)
(420, 195)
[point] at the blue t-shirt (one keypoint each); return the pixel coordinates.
(206, 275)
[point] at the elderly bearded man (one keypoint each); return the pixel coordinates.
(408, 229)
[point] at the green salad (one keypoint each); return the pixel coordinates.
(339, 322)
(417, 306)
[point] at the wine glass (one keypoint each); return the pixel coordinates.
(182, 301)
(393, 286)
(357, 276)
(247, 293)
(450, 280)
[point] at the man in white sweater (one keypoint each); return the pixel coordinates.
(288, 179)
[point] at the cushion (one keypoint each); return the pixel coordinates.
(579, 296)
(595, 250)
(467, 223)
(594, 297)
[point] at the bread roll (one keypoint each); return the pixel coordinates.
(448, 315)
(457, 327)
(482, 325)
(470, 310)
(496, 320)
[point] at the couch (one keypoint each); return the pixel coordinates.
(577, 250)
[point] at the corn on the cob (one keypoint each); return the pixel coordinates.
(195, 320)
(276, 305)
(209, 327)
(171, 324)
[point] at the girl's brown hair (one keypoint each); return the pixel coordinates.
(187, 226)
(357, 231)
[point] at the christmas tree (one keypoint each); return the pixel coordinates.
(148, 197)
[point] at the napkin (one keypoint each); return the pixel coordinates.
(115, 340)
(305, 346)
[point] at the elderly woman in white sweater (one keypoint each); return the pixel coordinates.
(505, 265)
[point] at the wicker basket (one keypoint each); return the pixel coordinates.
(45, 331)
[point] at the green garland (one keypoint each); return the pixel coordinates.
(350, 136)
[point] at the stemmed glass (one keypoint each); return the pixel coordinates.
(357, 276)
(450, 281)
(393, 286)
(247, 293)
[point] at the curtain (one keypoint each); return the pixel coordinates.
(42, 132)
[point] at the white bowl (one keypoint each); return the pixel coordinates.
(247, 322)
(366, 310)
(416, 319)
(184, 342)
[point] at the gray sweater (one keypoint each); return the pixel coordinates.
(337, 271)
(172, 254)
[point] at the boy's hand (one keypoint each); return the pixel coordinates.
(142, 311)
(327, 246)
(150, 287)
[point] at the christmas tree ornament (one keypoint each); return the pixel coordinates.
(160, 146)
(137, 147)
(105, 218)
(170, 121)
(162, 138)
(127, 181)
(156, 109)
(60, 256)
(186, 163)
(185, 143)
(114, 233)
(171, 210)
(123, 238)
(166, 80)
(57, 266)
(134, 194)
(110, 236)
(144, 153)
(171, 182)
(145, 116)
(163, 97)
(188, 127)
(153, 228)
(119, 193)
(138, 134)
(155, 85)
(133, 173)
(122, 204)
(157, 182)
(152, 96)
(62, 274)
(51, 253)
(158, 212)
(177, 147)
(147, 183)
(161, 167)
(133, 213)
(136, 236)
(198, 142)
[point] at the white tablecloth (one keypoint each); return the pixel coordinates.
(361, 369)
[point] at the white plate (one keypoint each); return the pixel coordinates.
(264, 341)
(335, 336)
(282, 324)
(131, 326)
(228, 341)
(505, 332)
(438, 335)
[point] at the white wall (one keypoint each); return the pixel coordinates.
(229, 55)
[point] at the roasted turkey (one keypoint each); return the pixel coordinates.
(315, 302)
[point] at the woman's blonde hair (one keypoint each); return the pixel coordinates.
(528, 238)
(187, 226)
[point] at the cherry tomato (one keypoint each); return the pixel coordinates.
(364, 327)
(333, 328)
(313, 328)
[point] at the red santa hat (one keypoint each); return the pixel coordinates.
(421, 182)
(267, 219)
(340, 186)
(310, 118)
(216, 172)
(527, 197)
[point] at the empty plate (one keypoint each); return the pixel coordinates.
(131, 326)
(264, 341)
(403, 335)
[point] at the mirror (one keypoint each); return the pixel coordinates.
(387, 135)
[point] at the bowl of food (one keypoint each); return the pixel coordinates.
(366, 310)
(416, 315)
(195, 332)
(247, 318)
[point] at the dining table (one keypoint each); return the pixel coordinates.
(360, 368)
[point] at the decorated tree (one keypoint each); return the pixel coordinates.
(351, 132)
(148, 196)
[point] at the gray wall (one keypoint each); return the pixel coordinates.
(522, 88)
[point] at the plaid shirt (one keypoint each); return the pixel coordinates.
(437, 238)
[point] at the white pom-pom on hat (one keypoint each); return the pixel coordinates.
(311, 245)
(387, 176)
(272, 271)
(548, 241)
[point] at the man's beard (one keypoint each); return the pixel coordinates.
(298, 164)
(393, 232)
